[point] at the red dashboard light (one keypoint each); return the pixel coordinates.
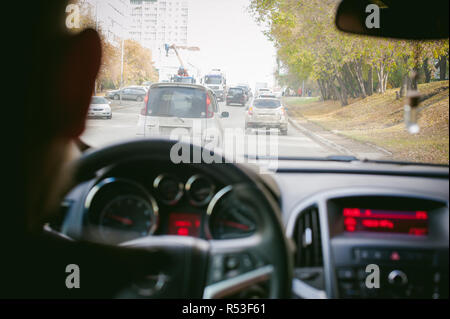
(184, 224)
(421, 215)
(183, 232)
(395, 256)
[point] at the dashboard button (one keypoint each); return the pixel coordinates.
(364, 254)
(346, 274)
(247, 263)
(232, 262)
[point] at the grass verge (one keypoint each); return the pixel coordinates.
(378, 119)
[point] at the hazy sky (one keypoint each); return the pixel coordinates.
(230, 39)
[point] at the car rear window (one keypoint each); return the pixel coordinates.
(267, 103)
(235, 91)
(177, 102)
(99, 100)
(267, 96)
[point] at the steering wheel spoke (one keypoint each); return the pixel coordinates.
(236, 265)
(175, 260)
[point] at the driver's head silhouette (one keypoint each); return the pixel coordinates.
(50, 74)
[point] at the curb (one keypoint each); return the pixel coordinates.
(321, 139)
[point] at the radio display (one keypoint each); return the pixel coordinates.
(386, 221)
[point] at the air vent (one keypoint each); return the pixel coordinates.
(308, 239)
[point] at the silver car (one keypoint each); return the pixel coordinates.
(100, 107)
(182, 110)
(267, 113)
(134, 93)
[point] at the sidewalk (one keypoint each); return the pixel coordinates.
(337, 143)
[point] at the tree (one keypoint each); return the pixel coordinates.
(310, 47)
(138, 65)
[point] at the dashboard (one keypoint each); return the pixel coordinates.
(340, 218)
(136, 200)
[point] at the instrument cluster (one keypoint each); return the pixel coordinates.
(120, 209)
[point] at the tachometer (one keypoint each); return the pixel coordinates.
(119, 210)
(127, 217)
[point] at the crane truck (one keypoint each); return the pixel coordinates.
(182, 75)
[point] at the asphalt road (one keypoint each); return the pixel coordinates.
(101, 132)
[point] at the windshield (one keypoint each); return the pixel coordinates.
(267, 104)
(213, 79)
(99, 100)
(341, 94)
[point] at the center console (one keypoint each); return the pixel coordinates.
(388, 247)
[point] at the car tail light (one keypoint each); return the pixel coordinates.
(144, 109)
(209, 111)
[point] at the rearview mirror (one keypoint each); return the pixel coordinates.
(419, 20)
(225, 115)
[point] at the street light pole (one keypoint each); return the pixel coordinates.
(121, 70)
(96, 29)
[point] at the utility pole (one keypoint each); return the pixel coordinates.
(121, 70)
(96, 29)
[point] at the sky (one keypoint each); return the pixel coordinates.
(230, 39)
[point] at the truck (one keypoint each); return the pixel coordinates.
(216, 81)
(260, 85)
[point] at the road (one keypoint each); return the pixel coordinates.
(122, 126)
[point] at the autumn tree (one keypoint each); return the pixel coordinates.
(138, 65)
(344, 66)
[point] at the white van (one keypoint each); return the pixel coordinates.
(182, 110)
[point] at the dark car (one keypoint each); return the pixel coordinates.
(247, 90)
(134, 93)
(236, 95)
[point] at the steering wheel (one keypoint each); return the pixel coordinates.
(185, 267)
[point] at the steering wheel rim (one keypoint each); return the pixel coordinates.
(268, 248)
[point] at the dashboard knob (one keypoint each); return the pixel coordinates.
(397, 278)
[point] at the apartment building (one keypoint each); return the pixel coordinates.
(112, 16)
(154, 23)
